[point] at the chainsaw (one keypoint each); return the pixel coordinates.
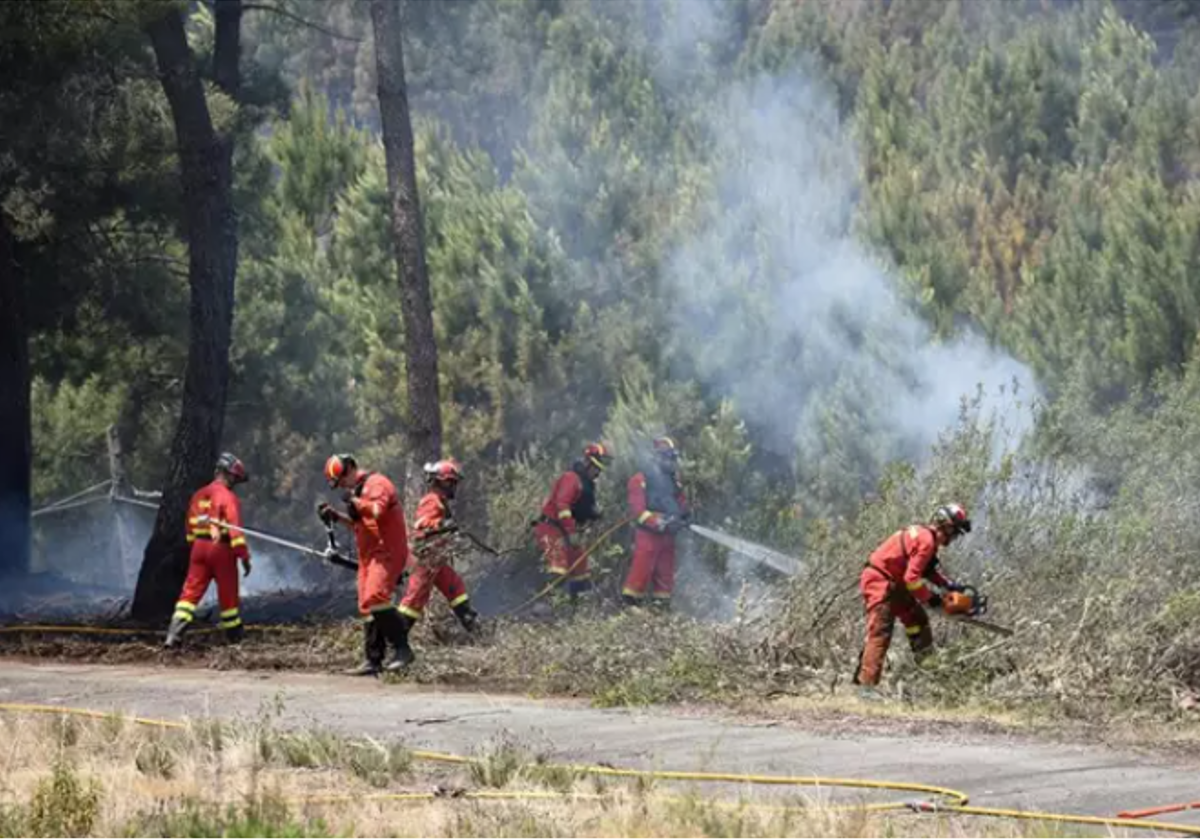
(979, 606)
(983, 625)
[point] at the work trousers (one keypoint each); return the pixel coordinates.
(377, 579)
(211, 561)
(561, 559)
(423, 579)
(884, 601)
(653, 566)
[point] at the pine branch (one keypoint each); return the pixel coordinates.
(265, 7)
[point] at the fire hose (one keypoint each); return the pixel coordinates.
(943, 800)
(330, 554)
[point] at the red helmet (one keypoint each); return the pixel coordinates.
(233, 467)
(337, 466)
(954, 517)
(446, 470)
(598, 455)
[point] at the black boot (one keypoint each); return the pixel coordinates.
(373, 650)
(395, 626)
(576, 589)
(175, 632)
(234, 635)
(467, 617)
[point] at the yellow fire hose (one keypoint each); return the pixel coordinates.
(139, 631)
(952, 801)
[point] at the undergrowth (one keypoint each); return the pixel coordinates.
(1092, 564)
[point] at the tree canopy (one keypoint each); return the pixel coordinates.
(796, 235)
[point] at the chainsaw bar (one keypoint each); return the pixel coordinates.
(983, 625)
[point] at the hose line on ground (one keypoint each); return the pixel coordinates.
(140, 631)
(952, 801)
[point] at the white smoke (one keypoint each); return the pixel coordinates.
(102, 545)
(778, 305)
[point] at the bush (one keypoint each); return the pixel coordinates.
(63, 805)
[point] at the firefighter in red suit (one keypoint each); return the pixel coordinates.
(435, 543)
(659, 510)
(899, 581)
(570, 505)
(374, 513)
(214, 519)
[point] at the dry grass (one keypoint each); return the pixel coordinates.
(66, 776)
(636, 658)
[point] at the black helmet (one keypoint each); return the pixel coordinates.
(233, 467)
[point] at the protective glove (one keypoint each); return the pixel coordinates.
(351, 506)
(935, 601)
(246, 568)
(326, 513)
(955, 587)
(674, 525)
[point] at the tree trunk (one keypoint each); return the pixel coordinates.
(16, 439)
(424, 418)
(210, 219)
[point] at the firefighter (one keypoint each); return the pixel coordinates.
(214, 520)
(570, 505)
(900, 579)
(374, 513)
(435, 543)
(659, 510)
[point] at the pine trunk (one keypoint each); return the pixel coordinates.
(424, 419)
(16, 442)
(210, 219)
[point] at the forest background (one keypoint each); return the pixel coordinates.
(857, 257)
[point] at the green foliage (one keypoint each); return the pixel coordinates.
(64, 805)
(75, 418)
(602, 266)
(497, 765)
(261, 816)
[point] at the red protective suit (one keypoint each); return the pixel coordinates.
(571, 503)
(434, 553)
(382, 539)
(895, 585)
(655, 497)
(216, 550)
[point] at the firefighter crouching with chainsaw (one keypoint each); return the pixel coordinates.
(659, 510)
(214, 519)
(435, 542)
(570, 505)
(899, 580)
(374, 513)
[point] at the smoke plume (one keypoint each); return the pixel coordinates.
(779, 305)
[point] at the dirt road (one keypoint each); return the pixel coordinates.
(994, 770)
